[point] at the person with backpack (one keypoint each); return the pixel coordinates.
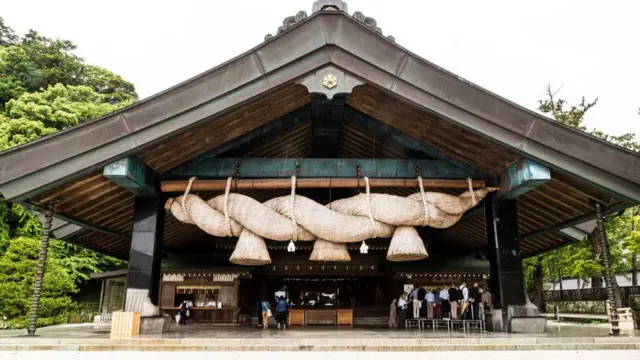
(282, 312)
(266, 313)
(182, 309)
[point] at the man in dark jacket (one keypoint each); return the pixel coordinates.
(455, 295)
(475, 298)
(282, 312)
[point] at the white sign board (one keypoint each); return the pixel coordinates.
(173, 277)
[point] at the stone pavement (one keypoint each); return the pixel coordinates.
(476, 355)
(237, 338)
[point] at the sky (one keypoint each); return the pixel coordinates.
(512, 48)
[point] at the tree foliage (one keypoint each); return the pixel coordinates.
(37, 114)
(573, 116)
(579, 260)
(45, 88)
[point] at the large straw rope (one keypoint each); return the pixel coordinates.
(348, 220)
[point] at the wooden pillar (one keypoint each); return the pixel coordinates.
(40, 268)
(143, 278)
(538, 279)
(634, 258)
(606, 264)
(634, 270)
(236, 293)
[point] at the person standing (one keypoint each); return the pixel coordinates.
(393, 313)
(402, 311)
(444, 303)
(259, 313)
(480, 305)
(454, 295)
(266, 313)
(437, 307)
(282, 312)
(416, 305)
(464, 304)
(431, 302)
(487, 301)
(183, 312)
(475, 297)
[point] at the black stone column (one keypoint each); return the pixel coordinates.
(145, 255)
(507, 279)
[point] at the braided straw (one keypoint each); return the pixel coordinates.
(373, 222)
(474, 201)
(425, 209)
(226, 207)
(294, 224)
(184, 198)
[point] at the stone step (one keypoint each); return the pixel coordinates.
(249, 346)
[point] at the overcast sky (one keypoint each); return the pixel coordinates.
(513, 48)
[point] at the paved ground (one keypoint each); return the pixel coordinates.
(202, 338)
(476, 355)
(243, 332)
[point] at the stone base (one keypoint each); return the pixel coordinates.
(528, 325)
(155, 324)
(521, 320)
(494, 322)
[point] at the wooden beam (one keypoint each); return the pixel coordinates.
(387, 133)
(521, 177)
(575, 221)
(213, 167)
(72, 220)
(245, 184)
(133, 175)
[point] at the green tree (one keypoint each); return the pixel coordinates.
(573, 115)
(7, 35)
(45, 88)
(17, 274)
(35, 62)
(579, 260)
(45, 112)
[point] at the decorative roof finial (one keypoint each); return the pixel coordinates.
(371, 23)
(339, 5)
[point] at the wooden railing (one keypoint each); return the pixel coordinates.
(591, 294)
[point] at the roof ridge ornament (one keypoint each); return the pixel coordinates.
(339, 5)
(371, 23)
(288, 23)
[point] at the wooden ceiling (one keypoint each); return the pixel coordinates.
(95, 200)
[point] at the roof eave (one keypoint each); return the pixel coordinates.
(325, 37)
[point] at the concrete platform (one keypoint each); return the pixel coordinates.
(236, 338)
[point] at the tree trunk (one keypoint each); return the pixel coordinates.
(538, 278)
(601, 236)
(560, 277)
(617, 292)
(634, 270)
(596, 282)
(634, 258)
(40, 268)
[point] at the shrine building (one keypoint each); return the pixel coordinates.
(328, 108)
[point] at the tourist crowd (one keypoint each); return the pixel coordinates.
(454, 303)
